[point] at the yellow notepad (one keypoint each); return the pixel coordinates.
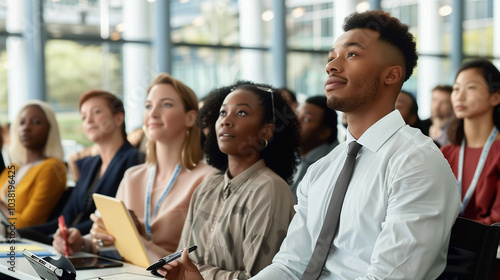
(120, 225)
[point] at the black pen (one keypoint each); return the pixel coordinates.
(163, 261)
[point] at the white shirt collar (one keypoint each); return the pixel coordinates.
(376, 135)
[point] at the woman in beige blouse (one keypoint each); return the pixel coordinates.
(239, 217)
(158, 191)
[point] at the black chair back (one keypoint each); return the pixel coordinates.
(472, 251)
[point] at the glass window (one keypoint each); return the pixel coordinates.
(478, 28)
(406, 11)
(204, 69)
(327, 29)
(3, 15)
(73, 68)
(306, 73)
(214, 22)
(479, 41)
(84, 19)
(309, 24)
(409, 15)
(477, 9)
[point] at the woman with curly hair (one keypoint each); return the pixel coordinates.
(239, 217)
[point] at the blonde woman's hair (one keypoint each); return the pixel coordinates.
(53, 147)
(191, 152)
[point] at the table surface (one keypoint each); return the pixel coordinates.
(24, 270)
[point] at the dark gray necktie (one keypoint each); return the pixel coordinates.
(325, 239)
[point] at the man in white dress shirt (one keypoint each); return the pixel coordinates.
(402, 199)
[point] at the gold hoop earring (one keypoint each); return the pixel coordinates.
(265, 143)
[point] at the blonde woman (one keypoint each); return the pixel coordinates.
(34, 183)
(159, 191)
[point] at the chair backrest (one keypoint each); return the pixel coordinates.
(472, 251)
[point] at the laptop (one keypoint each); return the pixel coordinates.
(120, 225)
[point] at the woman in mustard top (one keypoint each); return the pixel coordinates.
(33, 184)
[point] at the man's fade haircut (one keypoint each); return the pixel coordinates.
(391, 30)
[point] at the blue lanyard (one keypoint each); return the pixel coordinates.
(479, 167)
(147, 203)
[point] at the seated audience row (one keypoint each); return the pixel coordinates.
(474, 135)
(395, 180)
(238, 209)
(249, 201)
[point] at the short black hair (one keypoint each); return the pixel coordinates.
(329, 115)
(414, 104)
(391, 31)
(281, 154)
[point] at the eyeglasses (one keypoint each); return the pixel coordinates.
(272, 101)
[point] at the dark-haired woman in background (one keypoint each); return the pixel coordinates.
(239, 217)
(103, 118)
(474, 154)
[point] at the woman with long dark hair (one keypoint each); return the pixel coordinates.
(474, 154)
